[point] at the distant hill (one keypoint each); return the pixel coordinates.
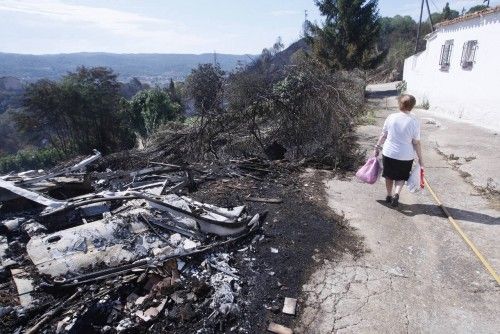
(285, 56)
(279, 60)
(152, 68)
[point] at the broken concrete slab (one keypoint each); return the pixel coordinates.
(289, 306)
(279, 329)
(25, 286)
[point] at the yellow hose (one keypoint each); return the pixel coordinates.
(480, 256)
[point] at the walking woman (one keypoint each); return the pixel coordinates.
(400, 139)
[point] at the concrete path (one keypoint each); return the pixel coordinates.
(418, 276)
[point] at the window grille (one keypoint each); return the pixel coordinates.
(469, 54)
(444, 61)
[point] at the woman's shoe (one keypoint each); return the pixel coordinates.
(395, 201)
(388, 199)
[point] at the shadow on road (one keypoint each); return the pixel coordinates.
(433, 210)
(380, 94)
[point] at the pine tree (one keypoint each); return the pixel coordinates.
(448, 13)
(347, 38)
(173, 92)
(171, 87)
(477, 8)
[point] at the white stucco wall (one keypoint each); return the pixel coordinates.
(471, 95)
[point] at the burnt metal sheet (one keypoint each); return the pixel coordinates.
(108, 242)
(31, 195)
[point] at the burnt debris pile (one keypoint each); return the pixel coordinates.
(123, 251)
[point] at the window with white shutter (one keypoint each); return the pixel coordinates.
(444, 61)
(469, 54)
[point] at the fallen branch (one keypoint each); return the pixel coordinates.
(264, 200)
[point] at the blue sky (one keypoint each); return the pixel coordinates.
(166, 26)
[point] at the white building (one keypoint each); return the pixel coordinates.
(459, 72)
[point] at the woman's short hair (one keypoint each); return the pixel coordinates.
(406, 102)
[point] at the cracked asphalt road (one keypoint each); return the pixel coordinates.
(417, 276)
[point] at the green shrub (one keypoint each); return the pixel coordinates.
(369, 118)
(149, 109)
(30, 159)
(78, 113)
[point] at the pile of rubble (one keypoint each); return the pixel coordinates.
(118, 251)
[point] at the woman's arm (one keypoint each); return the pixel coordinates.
(418, 149)
(380, 142)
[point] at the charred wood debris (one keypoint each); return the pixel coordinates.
(130, 251)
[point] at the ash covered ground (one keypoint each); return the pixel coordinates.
(181, 255)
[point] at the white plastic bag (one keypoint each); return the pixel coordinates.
(414, 181)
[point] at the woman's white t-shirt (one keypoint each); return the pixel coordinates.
(401, 129)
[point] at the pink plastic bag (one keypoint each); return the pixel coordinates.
(370, 172)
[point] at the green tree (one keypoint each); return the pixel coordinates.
(397, 39)
(174, 92)
(171, 88)
(396, 29)
(205, 88)
(42, 114)
(347, 37)
(151, 108)
(11, 140)
(79, 113)
(477, 8)
(448, 13)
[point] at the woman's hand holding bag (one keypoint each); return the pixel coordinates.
(416, 181)
(370, 172)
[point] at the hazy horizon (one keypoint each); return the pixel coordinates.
(129, 53)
